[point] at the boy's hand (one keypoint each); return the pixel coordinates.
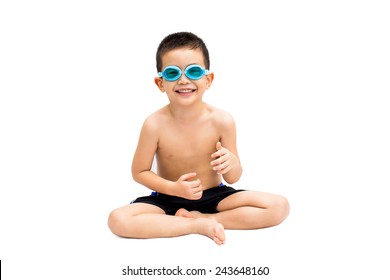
(189, 189)
(224, 160)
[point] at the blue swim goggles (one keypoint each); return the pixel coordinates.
(193, 72)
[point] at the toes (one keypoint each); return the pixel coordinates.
(219, 236)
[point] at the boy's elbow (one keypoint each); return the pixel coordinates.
(232, 177)
(135, 174)
(231, 180)
(139, 175)
(136, 177)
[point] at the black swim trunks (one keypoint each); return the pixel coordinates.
(206, 204)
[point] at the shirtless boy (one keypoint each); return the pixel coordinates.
(195, 148)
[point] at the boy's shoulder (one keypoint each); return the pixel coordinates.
(221, 116)
(157, 116)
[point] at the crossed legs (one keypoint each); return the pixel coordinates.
(142, 220)
(242, 210)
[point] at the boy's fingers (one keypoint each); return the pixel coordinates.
(196, 183)
(221, 159)
(218, 154)
(218, 147)
(197, 195)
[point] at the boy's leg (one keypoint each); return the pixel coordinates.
(252, 210)
(247, 210)
(142, 220)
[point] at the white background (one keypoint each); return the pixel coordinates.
(308, 85)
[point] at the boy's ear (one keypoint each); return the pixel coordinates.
(159, 82)
(210, 78)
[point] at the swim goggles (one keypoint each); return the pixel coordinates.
(193, 72)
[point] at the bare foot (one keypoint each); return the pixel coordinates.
(218, 233)
(213, 229)
(184, 213)
(187, 214)
(208, 227)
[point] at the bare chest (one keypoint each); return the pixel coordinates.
(188, 143)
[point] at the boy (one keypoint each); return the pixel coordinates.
(195, 148)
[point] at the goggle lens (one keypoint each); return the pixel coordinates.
(172, 74)
(194, 72)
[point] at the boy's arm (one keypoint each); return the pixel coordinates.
(143, 159)
(142, 164)
(226, 160)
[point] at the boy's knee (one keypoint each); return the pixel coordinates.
(282, 209)
(115, 222)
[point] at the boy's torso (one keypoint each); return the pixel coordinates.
(187, 147)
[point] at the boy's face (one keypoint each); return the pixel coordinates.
(184, 89)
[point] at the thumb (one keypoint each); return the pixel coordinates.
(218, 146)
(187, 176)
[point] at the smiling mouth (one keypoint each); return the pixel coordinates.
(185, 92)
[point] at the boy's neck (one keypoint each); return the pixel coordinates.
(188, 113)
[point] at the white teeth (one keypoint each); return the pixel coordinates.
(185, 91)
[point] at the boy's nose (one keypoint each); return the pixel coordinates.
(183, 79)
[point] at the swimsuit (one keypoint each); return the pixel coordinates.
(206, 204)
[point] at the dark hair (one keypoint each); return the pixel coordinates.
(179, 40)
